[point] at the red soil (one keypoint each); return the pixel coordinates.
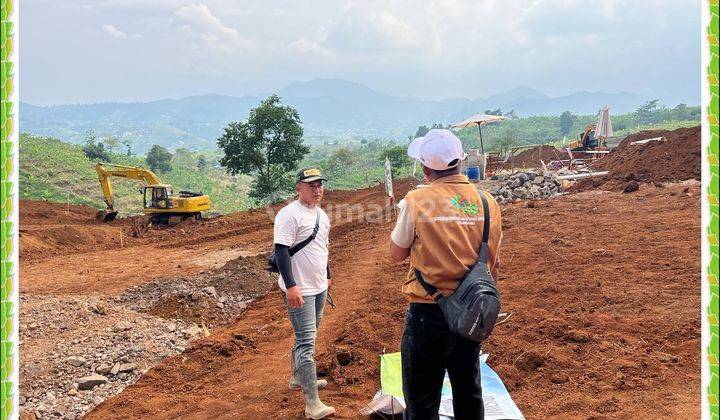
(676, 159)
(605, 323)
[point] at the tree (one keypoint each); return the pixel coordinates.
(496, 111)
(158, 159)
(94, 149)
(111, 142)
(340, 163)
(421, 131)
(506, 141)
(184, 158)
(649, 112)
(202, 162)
(567, 120)
(397, 155)
(269, 145)
(683, 112)
(620, 124)
(127, 144)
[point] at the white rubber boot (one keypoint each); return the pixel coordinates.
(314, 408)
(295, 385)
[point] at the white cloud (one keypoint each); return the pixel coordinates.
(198, 22)
(432, 49)
(364, 29)
(114, 32)
(306, 46)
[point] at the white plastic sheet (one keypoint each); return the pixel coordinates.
(498, 403)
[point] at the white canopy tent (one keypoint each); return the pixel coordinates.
(479, 120)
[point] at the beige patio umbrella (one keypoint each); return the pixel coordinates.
(479, 120)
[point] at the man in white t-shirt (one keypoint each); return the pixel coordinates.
(304, 280)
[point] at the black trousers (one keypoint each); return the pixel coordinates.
(429, 348)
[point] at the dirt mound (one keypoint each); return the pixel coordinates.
(213, 298)
(676, 159)
(38, 212)
(48, 229)
(68, 238)
(530, 158)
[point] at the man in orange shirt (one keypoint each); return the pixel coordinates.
(440, 227)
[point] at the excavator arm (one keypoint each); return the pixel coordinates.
(106, 171)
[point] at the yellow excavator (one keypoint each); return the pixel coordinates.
(587, 141)
(158, 200)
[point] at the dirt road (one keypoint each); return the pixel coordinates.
(604, 290)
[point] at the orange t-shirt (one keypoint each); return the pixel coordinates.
(442, 224)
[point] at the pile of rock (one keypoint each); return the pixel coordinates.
(524, 186)
(80, 351)
(97, 349)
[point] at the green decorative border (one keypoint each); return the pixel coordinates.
(713, 234)
(8, 148)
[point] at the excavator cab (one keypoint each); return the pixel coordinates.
(157, 197)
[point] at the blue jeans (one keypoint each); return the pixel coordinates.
(305, 322)
(428, 348)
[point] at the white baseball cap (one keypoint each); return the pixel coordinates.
(437, 149)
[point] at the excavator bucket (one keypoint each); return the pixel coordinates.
(106, 216)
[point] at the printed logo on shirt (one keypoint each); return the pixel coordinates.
(464, 206)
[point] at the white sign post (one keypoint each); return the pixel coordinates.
(388, 178)
(390, 208)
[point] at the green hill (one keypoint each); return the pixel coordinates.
(53, 170)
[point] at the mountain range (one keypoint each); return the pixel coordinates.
(331, 109)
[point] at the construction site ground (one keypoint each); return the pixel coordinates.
(603, 288)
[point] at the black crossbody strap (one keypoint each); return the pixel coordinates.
(486, 218)
(429, 288)
(295, 249)
(482, 253)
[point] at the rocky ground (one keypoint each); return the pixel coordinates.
(77, 351)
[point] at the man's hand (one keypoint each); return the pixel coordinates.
(329, 283)
(294, 297)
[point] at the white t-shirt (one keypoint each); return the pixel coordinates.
(403, 234)
(293, 224)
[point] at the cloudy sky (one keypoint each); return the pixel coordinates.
(80, 51)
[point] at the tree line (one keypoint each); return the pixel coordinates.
(269, 145)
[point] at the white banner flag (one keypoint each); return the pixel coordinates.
(388, 178)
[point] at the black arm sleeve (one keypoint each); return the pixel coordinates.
(282, 253)
(328, 271)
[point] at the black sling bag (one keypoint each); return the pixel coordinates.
(272, 260)
(471, 311)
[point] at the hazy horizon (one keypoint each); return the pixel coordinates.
(134, 51)
(275, 91)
